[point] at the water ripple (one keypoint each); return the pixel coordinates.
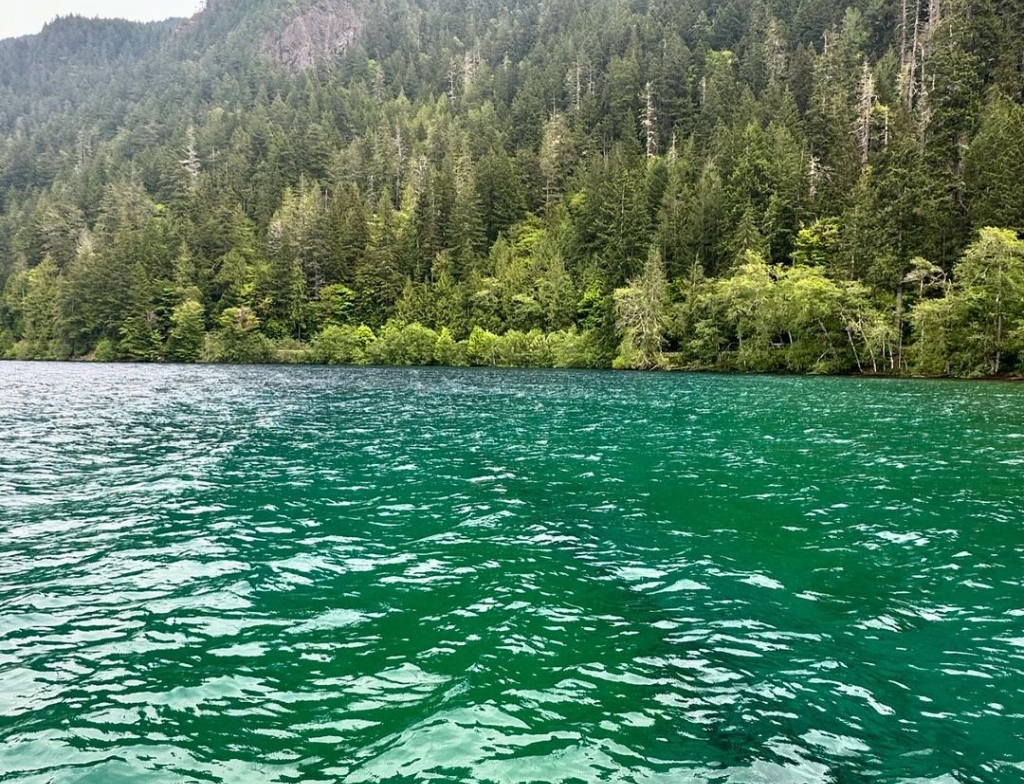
(238, 575)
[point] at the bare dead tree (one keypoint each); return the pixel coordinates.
(865, 111)
(191, 163)
(649, 121)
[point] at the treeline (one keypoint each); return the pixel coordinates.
(794, 186)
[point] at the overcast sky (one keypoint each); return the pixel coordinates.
(20, 17)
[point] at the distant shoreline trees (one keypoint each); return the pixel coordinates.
(709, 184)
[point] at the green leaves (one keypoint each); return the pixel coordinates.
(185, 343)
(507, 172)
(977, 328)
(641, 312)
(239, 341)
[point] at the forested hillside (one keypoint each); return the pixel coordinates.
(765, 185)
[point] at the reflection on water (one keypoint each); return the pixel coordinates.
(280, 575)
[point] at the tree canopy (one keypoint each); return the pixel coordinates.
(764, 186)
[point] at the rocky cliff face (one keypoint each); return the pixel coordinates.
(318, 35)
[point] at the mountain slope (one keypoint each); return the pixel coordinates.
(772, 185)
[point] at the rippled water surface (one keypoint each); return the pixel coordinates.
(349, 575)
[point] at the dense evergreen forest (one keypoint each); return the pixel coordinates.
(761, 185)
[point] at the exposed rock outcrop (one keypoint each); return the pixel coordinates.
(317, 36)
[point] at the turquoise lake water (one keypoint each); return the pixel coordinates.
(249, 575)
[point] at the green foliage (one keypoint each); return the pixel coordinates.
(995, 166)
(185, 342)
(238, 341)
(572, 349)
(794, 319)
(817, 245)
(447, 351)
(141, 340)
(641, 309)
(482, 348)
(344, 345)
(504, 214)
(934, 322)
(408, 344)
(977, 328)
(334, 305)
(106, 351)
(291, 351)
(524, 349)
(33, 300)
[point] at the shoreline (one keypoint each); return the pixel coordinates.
(1003, 378)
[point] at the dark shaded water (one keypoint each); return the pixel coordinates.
(285, 575)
